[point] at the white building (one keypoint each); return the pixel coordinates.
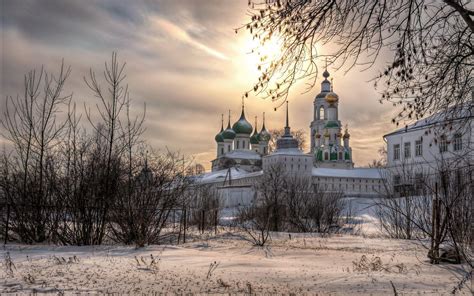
(237, 147)
(243, 158)
(288, 155)
(439, 142)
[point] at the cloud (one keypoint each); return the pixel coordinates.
(183, 60)
(181, 35)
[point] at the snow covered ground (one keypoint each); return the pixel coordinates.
(363, 264)
(306, 264)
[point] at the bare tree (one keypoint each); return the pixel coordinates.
(140, 215)
(205, 207)
(429, 47)
(255, 220)
(381, 161)
(433, 202)
(299, 135)
(32, 125)
(310, 209)
(113, 99)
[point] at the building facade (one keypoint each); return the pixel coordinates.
(424, 149)
(238, 146)
(329, 146)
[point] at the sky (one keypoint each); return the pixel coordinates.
(184, 61)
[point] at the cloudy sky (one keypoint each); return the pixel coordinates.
(184, 61)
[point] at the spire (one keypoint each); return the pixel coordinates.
(263, 126)
(332, 84)
(222, 122)
(255, 123)
(287, 127)
(228, 123)
(326, 73)
(242, 115)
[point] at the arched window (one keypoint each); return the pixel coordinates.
(321, 114)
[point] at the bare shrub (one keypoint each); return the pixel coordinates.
(255, 220)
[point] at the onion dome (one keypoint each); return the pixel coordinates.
(331, 124)
(326, 73)
(242, 126)
(219, 137)
(326, 134)
(254, 139)
(228, 133)
(317, 135)
(264, 135)
(339, 134)
(346, 134)
(331, 97)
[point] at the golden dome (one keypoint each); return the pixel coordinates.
(331, 98)
(326, 134)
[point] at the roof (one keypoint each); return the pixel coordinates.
(243, 154)
(219, 176)
(434, 119)
(288, 151)
(371, 173)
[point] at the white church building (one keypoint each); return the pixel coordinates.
(243, 156)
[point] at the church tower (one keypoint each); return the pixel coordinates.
(326, 130)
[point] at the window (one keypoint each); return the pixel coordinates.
(396, 152)
(321, 113)
(418, 148)
(443, 144)
(407, 150)
(418, 183)
(457, 142)
(396, 179)
(222, 150)
(237, 142)
(326, 156)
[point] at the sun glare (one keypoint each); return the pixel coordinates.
(255, 54)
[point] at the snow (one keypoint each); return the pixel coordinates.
(288, 151)
(453, 114)
(243, 154)
(303, 264)
(219, 176)
(370, 173)
(291, 263)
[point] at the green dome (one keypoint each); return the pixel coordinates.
(331, 124)
(219, 138)
(255, 138)
(228, 134)
(264, 135)
(242, 126)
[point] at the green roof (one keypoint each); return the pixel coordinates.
(254, 139)
(242, 126)
(331, 124)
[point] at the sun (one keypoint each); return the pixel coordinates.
(257, 56)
